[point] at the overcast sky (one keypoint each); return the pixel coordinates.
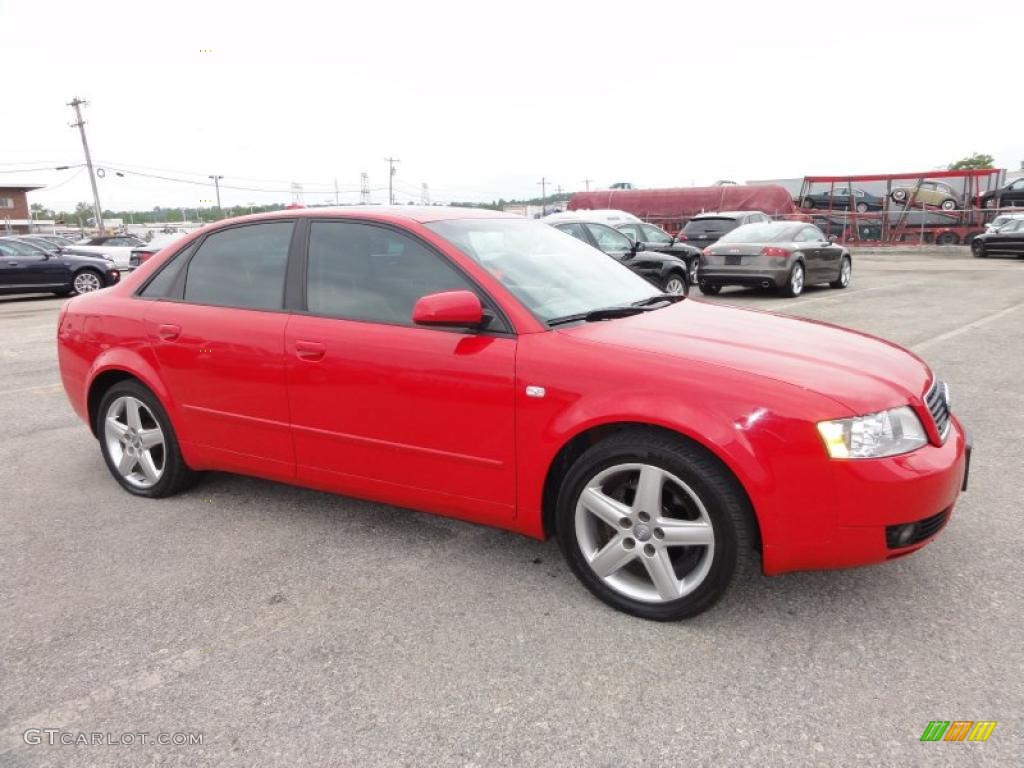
(482, 99)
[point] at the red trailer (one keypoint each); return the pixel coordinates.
(911, 211)
(672, 208)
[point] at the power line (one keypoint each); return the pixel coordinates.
(76, 104)
(216, 183)
(391, 178)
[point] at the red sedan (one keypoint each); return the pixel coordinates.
(494, 369)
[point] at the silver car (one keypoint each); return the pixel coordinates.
(786, 255)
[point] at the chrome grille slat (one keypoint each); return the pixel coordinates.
(935, 401)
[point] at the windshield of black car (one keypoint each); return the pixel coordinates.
(761, 232)
(553, 274)
(709, 226)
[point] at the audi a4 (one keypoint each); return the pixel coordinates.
(493, 369)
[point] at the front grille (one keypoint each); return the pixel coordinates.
(937, 402)
(922, 529)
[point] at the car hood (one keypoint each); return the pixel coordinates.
(862, 372)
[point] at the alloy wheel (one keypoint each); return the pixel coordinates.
(796, 280)
(644, 532)
(86, 282)
(844, 273)
(135, 442)
(675, 285)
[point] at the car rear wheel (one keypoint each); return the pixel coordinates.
(87, 281)
(862, 207)
(978, 248)
(675, 284)
(653, 525)
(710, 289)
(138, 442)
(899, 195)
(808, 203)
(795, 282)
(949, 204)
(845, 272)
(947, 238)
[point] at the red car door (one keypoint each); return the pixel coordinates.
(220, 348)
(384, 409)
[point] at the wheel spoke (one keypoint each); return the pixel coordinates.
(115, 426)
(131, 410)
(148, 467)
(126, 464)
(659, 568)
(151, 438)
(686, 532)
(648, 491)
(604, 507)
(612, 557)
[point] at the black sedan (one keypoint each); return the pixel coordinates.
(1007, 240)
(657, 239)
(669, 273)
(27, 269)
(841, 197)
(1005, 197)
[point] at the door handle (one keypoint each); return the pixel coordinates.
(168, 331)
(12, 263)
(310, 350)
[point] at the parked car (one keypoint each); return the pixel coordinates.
(1001, 219)
(36, 247)
(26, 269)
(786, 255)
(51, 244)
(841, 227)
(117, 247)
(143, 253)
(934, 193)
(1007, 196)
(670, 273)
(609, 216)
(1007, 240)
(485, 367)
(657, 239)
(704, 229)
(840, 197)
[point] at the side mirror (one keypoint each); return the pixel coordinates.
(639, 245)
(451, 308)
(831, 239)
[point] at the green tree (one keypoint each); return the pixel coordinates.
(975, 161)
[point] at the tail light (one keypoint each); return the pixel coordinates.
(775, 253)
(144, 256)
(680, 237)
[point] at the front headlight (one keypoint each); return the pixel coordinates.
(873, 436)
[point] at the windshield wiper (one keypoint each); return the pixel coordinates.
(671, 298)
(606, 313)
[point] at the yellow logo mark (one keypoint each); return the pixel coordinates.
(982, 730)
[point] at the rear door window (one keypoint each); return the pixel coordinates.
(575, 230)
(241, 267)
(609, 239)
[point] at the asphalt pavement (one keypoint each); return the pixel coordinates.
(290, 627)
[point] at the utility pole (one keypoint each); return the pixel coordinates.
(216, 183)
(364, 188)
(425, 194)
(587, 182)
(336, 191)
(76, 104)
(391, 177)
(543, 194)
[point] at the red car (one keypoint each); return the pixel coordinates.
(494, 369)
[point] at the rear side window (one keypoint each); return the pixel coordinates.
(160, 285)
(364, 272)
(573, 229)
(609, 239)
(241, 267)
(709, 226)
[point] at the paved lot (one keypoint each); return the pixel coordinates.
(297, 628)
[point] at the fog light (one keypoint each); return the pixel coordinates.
(904, 534)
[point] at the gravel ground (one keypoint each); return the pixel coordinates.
(293, 628)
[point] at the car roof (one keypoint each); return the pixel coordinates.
(723, 214)
(421, 214)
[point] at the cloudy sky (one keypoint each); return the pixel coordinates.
(481, 100)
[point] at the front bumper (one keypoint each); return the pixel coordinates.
(870, 498)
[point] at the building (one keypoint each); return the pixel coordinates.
(14, 211)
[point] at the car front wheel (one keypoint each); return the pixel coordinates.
(653, 525)
(138, 442)
(949, 205)
(978, 248)
(795, 281)
(862, 207)
(87, 281)
(675, 284)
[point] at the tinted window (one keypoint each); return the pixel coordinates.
(631, 231)
(708, 226)
(365, 272)
(160, 284)
(241, 267)
(609, 239)
(575, 230)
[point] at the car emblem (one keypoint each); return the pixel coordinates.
(642, 532)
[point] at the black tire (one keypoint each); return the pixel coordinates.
(177, 476)
(808, 203)
(841, 282)
(899, 195)
(949, 204)
(862, 208)
(673, 279)
(978, 248)
(710, 289)
(790, 289)
(947, 238)
(718, 490)
(82, 276)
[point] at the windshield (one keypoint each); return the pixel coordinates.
(553, 274)
(763, 232)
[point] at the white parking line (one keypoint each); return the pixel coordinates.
(922, 345)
